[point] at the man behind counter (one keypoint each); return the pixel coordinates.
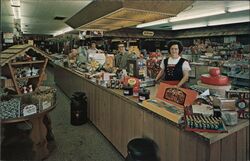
(122, 57)
(174, 68)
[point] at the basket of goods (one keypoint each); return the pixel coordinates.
(46, 97)
(13, 106)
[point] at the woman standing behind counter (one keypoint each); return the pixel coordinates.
(175, 69)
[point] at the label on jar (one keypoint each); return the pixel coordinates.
(46, 104)
(126, 92)
(135, 94)
(142, 98)
(29, 110)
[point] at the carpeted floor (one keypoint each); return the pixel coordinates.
(72, 143)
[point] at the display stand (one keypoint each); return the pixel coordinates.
(17, 60)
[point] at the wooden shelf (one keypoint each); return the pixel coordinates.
(9, 64)
(35, 76)
(28, 62)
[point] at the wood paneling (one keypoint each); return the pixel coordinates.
(215, 151)
(172, 143)
(137, 119)
(148, 125)
(228, 152)
(116, 122)
(160, 137)
(247, 141)
(202, 153)
(241, 145)
(187, 146)
(127, 127)
(105, 113)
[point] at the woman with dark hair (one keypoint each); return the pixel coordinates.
(175, 69)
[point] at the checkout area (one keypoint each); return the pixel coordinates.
(186, 124)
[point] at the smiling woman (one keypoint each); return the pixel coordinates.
(174, 68)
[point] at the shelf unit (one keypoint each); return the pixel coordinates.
(28, 62)
(19, 59)
(238, 72)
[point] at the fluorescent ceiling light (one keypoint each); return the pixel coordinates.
(63, 31)
(15, 3)
(159, 22)
(229, 21)
(188, 26)
(198, 15)
(237, 9)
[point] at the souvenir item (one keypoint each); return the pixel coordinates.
(28, 72)
(214, 78)
(136, 92)
(93, 66)
(109, 64)
(127, 90)
(177, 96)
(30, 88)
(165, 110)
(153, 64)
(230, 117)
(144, 94)
(34, 71)
(25, 90)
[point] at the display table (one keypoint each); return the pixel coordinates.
(38, 132)
(121, 118)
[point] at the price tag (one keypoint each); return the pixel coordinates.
(46, 104)
(29, 110)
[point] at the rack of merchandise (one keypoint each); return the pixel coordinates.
(23, 68)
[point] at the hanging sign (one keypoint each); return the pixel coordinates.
(148, 33)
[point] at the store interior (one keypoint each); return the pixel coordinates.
(108, 80)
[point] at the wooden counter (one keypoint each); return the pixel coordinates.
(121, 118)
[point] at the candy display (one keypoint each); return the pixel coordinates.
(198, 122)
(43, 98)
(10, 109)
(202, 123)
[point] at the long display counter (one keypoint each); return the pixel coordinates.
(120, 118)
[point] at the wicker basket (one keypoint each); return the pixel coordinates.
(46, 96)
